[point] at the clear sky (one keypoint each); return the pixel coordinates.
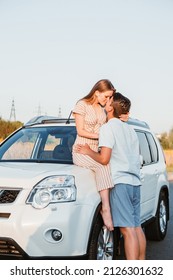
(53, 51)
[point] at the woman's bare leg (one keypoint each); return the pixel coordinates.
(106, 211)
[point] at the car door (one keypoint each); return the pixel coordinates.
(149, 173)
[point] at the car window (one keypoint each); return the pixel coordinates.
(40, 143)
(144, 147)
(148, 147)
(22, 147)
(153, 147)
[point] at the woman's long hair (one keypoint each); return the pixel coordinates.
(101, 86)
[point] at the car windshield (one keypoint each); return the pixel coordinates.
(41, 144)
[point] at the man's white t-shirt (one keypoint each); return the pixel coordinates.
(125, 159)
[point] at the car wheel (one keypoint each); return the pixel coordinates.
(103, 243)
(158, 228)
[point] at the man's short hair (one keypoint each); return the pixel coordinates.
(121, 104)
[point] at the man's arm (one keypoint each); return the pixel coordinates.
(102, 157)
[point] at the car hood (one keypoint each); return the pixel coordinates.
(25, 175)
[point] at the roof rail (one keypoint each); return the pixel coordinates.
(138, 123)
(59, 120)
(52, 119)
(48, 119)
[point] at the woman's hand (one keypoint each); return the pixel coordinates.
(124, 117)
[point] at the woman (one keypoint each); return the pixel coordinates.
(89, 115)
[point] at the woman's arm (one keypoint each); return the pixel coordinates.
(79, 119)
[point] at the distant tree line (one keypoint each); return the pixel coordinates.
(7, 127)
(166, 140)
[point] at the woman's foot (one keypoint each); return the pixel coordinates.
(107, 218)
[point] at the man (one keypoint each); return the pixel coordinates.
(119, 145)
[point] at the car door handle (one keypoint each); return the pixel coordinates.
(142, 176)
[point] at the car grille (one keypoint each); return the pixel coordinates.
(8, 196)
(9, 248)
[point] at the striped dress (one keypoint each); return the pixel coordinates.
(92, 124)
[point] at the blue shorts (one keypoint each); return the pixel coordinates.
(125, 205)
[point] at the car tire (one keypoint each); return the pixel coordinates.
(103, 243)
(157, 229)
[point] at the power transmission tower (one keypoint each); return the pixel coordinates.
(59, 113)
(39, 110)
(13, 112)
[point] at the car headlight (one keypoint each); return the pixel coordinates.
(53, 189)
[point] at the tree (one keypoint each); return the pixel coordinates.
(7, 127)
(166, 140)
(171, 139)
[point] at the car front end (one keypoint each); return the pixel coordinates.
(41, 216)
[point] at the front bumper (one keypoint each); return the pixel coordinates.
(10, 250)
(25, 231)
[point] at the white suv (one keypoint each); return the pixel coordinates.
(50, 208)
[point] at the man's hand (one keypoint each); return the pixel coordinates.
(102, 157)
(83, 149)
